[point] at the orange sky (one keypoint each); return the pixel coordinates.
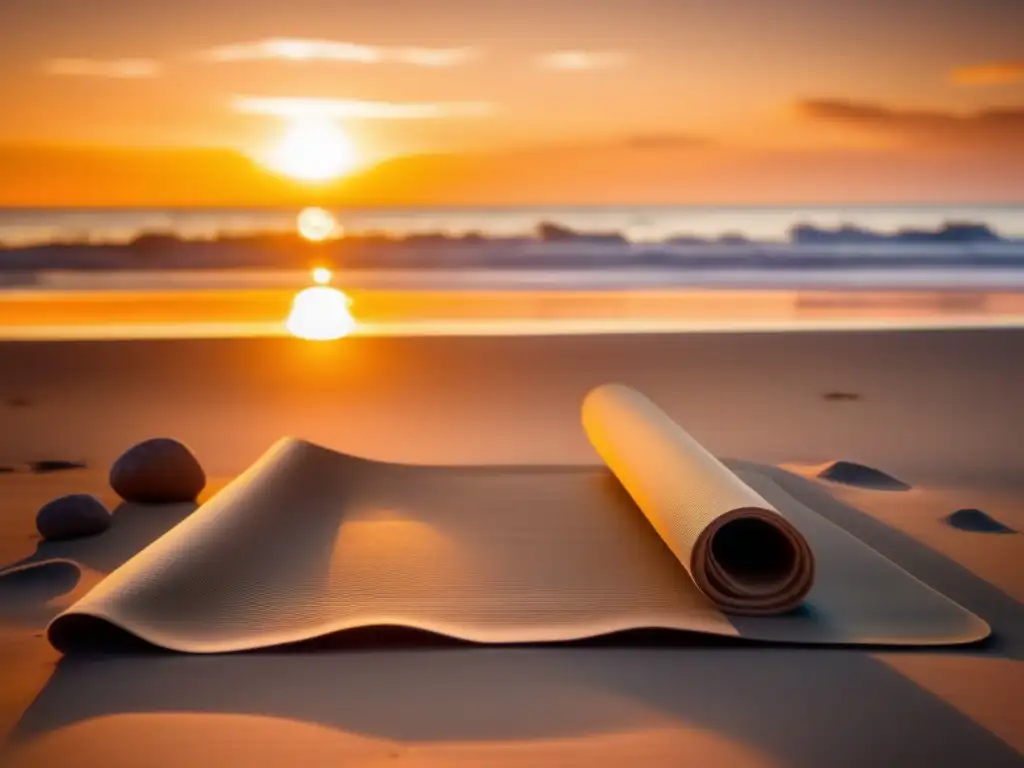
(135, 102)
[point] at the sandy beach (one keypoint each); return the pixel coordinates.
(940, 410)
(432, 383)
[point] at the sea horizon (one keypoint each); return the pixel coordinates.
(21, 227)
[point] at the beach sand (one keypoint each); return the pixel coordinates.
(939, 410)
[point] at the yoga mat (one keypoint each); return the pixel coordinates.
(737, 548)
(309, 542)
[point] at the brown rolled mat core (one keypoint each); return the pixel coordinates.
(740, 551)
(753, 562)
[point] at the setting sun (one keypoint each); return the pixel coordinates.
(313, 150)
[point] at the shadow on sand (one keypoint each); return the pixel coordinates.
(133, 528)
(26, 590)
(804, 708)
(28, 587)
(1003, 613)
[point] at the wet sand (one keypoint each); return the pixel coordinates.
(939, 410)
(99, 314)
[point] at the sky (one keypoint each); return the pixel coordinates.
(140, 102)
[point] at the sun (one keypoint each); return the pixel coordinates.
(312, 151)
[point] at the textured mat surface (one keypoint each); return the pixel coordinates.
(309, 542)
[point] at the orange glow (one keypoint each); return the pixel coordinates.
(236, 313)
(321, 314)
(316, 224)
(534, 104)
(322, 275)
(312, 150)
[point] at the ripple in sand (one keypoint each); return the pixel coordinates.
(860, 476)
(976, 521)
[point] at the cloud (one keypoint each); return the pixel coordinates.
(581, 61)
(109, 68)
(990, 73)
(301, 49)
(984, 129)
(352, 109)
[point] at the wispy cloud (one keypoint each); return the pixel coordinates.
(352, 109)
(581, 61)
(987, 128)
(990, 73)
(303, 49)
(109, 68)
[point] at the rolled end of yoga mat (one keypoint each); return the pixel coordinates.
(739, 551)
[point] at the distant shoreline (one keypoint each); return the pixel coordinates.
(554, 247)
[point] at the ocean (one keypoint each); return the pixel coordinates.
(25, 227)
(796, 247)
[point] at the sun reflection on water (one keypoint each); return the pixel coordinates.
(321, 313)
(316, 224)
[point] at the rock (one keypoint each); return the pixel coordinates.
(155, 243)
(686, 240)
(847, 234)
(71, 517)
(158, 471)
(976, 521)
(950, 232)
(860, 476)
(550, 232)
(967, 232)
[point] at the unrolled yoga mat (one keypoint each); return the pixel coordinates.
(309, 542)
